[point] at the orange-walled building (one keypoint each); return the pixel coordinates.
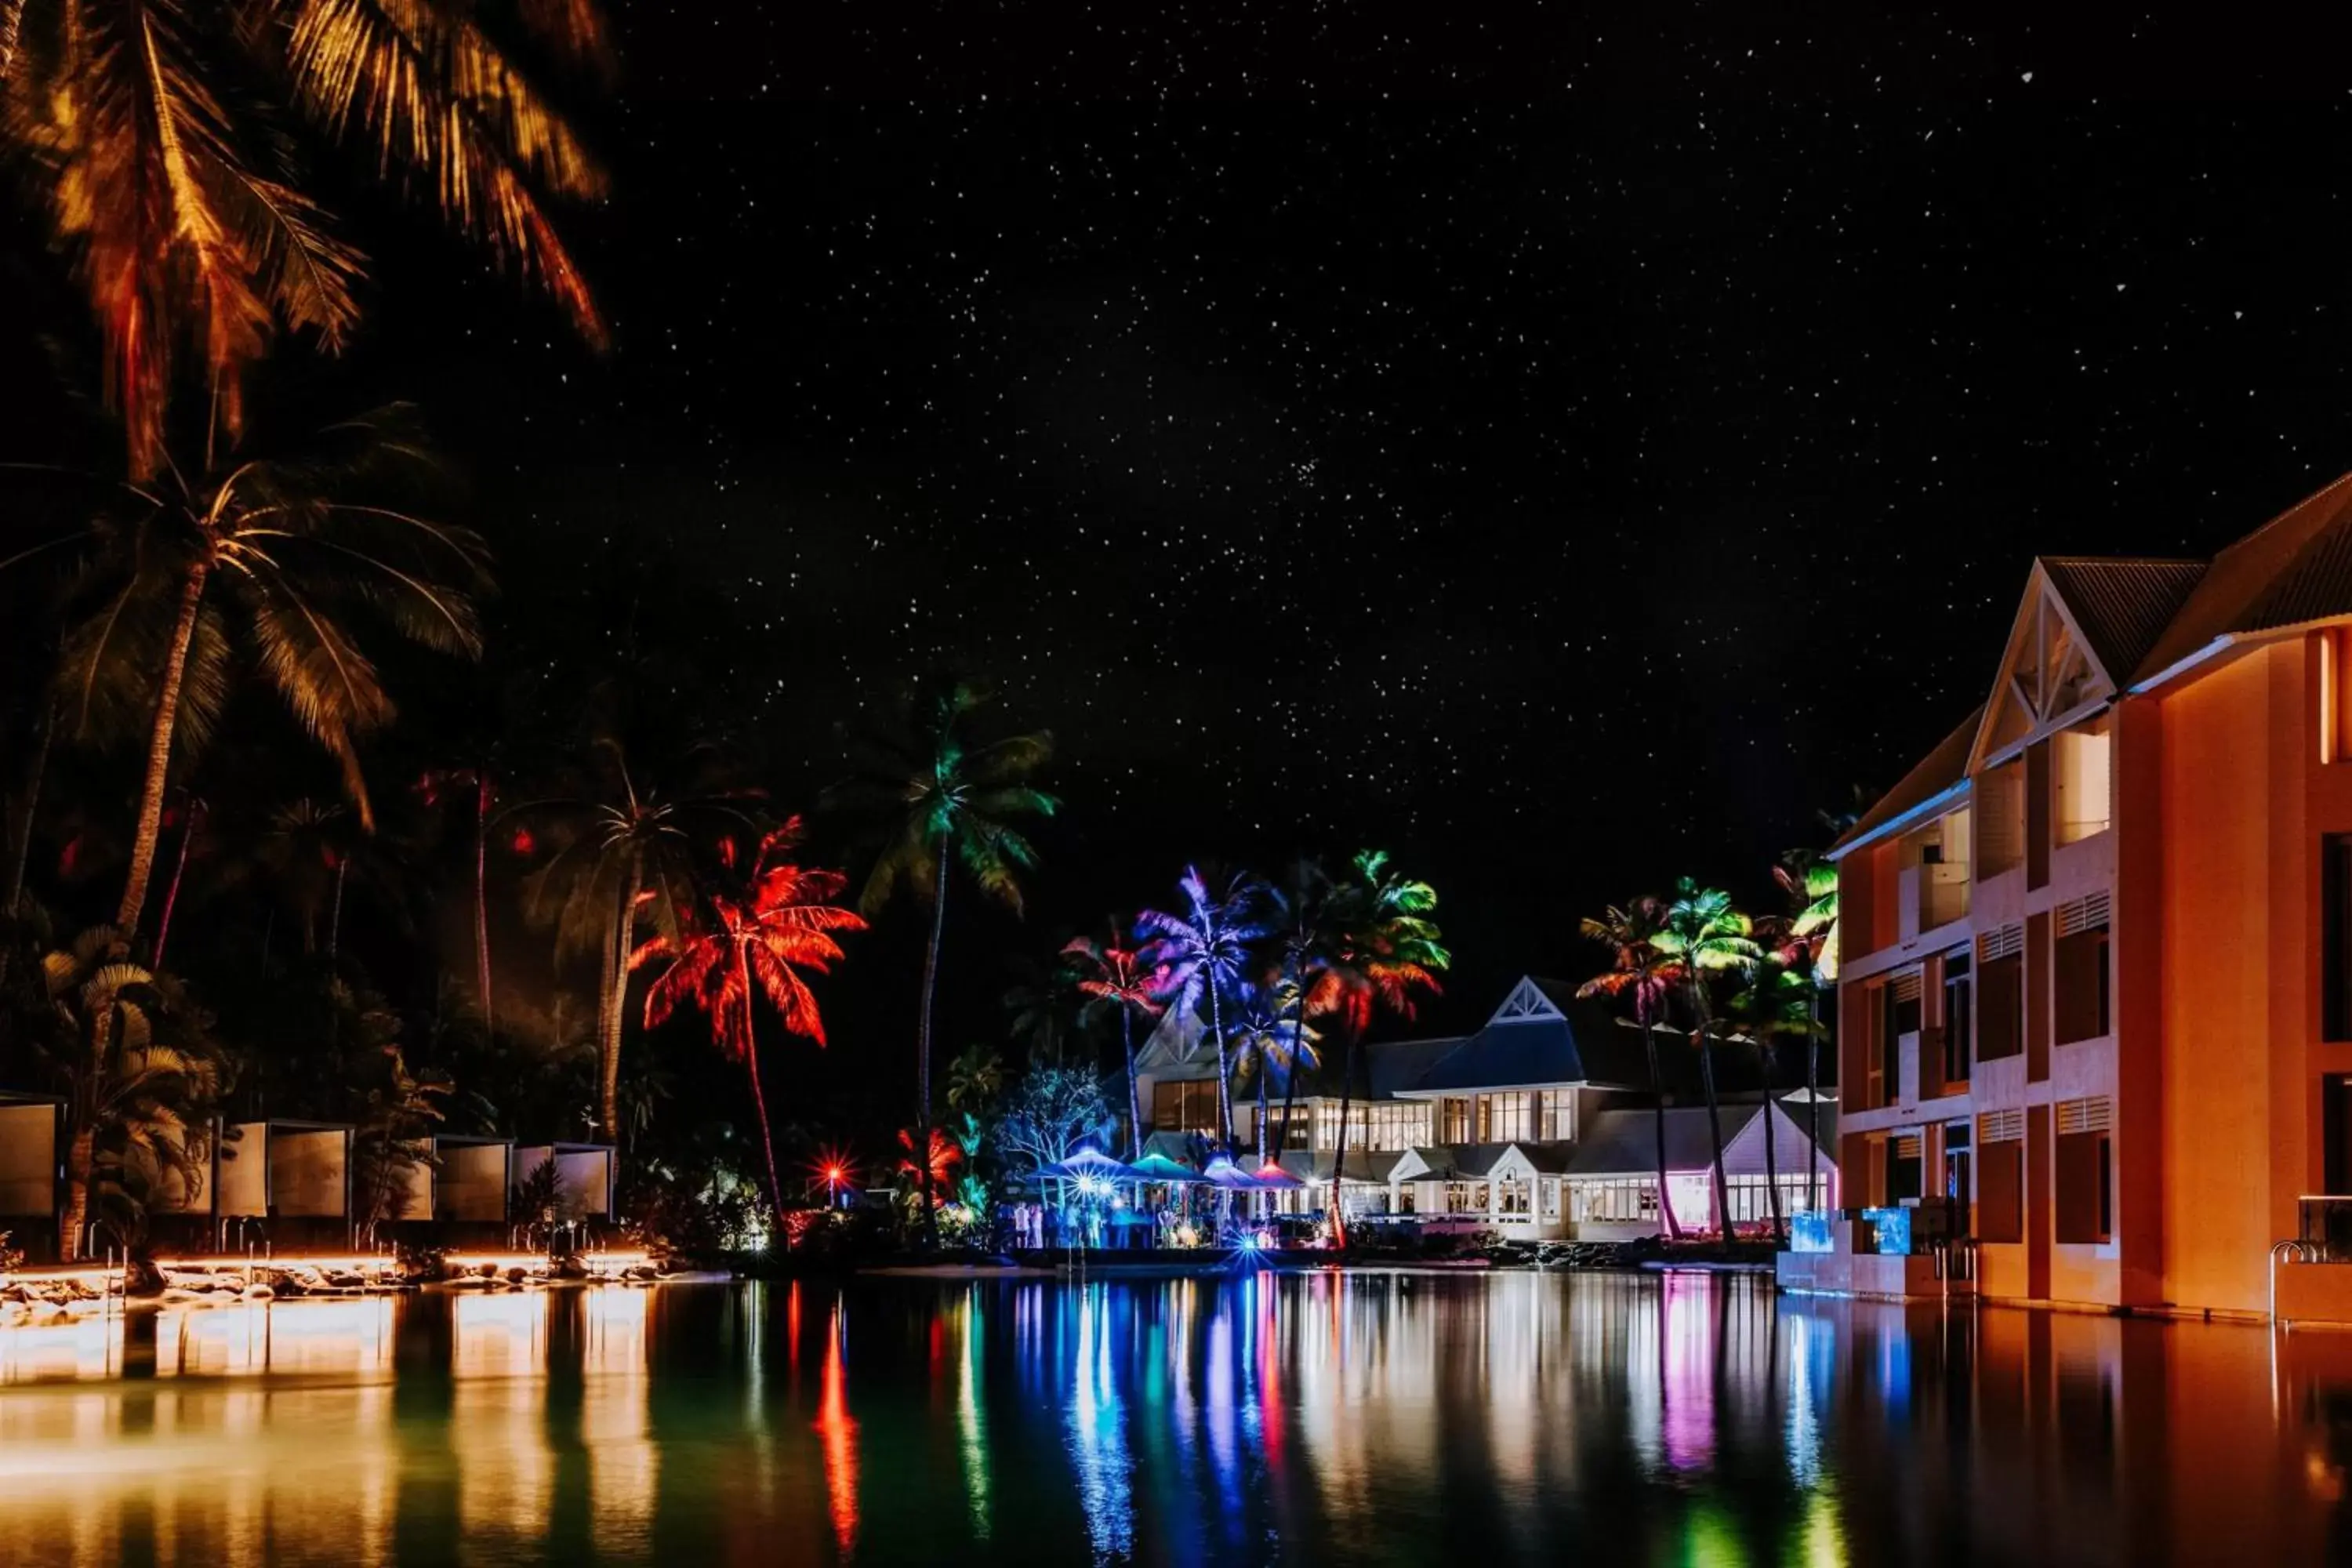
(2096, 981)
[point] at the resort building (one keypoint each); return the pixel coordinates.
(1538, 1127)
(2096, 947)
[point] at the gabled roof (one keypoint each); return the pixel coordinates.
(2297, 567)
(1363, 1165)
(2122, 605)
(1625, 1142)
(1542, 1036)
(1939, 773)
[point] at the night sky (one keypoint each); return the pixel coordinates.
(1566, 451)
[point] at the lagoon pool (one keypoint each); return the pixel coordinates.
(1363, 1418)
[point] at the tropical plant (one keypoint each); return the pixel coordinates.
(926, 1183)
(1644, 974)
(306, 850)
(478, 784)
(751, 939)
(152, 138)
(401, 1112)
(1204, 950)
(140, 1074)
(1119, 976)
(975, 1078)
(1269, 1043)
(937, 798)
(1047, 1113)
(1774, 1002)
(621, 855)
(1809, 943)
(264, 570)
(1706, 937)
(1043, 1006)
(1384, 949)
(1302, 943)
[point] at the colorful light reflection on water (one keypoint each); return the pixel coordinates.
(1370, 1417)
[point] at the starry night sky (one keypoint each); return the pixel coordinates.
(1566, 451)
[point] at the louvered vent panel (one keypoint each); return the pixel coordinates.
(2093, 1115)
(1906, 1147)
(2006, 943)
(1907, 986)
(2000, 1126)
(2086, 913)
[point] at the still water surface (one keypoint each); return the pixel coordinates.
(1371, 1417)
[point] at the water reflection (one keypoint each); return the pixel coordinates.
(1380, 1417)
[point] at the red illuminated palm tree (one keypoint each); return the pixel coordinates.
(751, 942)
(1123, 976)
(1642, 973)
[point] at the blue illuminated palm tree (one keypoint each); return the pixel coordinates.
(1205, 950)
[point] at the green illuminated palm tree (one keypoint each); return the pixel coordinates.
(1706, 936)
(1384, 950)
(1643, 975)
(1808, 943)
(940, 799)
(1774, 1002)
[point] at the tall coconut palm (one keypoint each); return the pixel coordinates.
(751, 939)
(1120, 975)
(620, 855)
(1302, 943)
(1384, 950)
(1643, 975)
(139, 1071)
(1706, 937)
(1205, 950)
(1270, 1043)
(1774, 1002)
(264, 571)
(152, 135)
(1808, 943)
(939, 798)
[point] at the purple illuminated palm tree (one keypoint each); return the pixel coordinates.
(1205, 951)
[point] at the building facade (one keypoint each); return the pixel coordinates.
(2096, 948)
(1538, 1127)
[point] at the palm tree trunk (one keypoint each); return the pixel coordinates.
(1715, 1130)
(81, 1164)
(1134, 1104)
(1658, 1105)
(1772, 1151)
(759, 1099)
(335, 915)
(172, 892)
(1224, 1071)
(923, 1036)
(1262, 1071)
(1290, 1079)
(159, 754)
(481, 895)
(22, 847)
(1339, 1148)
(617, 1008)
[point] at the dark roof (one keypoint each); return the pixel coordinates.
(1618, 1142)
(1362, 1165)
(2295, 567)
(1581, 1046)
(1942, 768)
(2123, 605)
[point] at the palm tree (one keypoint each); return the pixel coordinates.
(265, 570)
(1204, 950)
(1808, 940)
(1303, 942)
(479, 785)
(753, 940)
(623, 858)
(308, 852)
(975, 1078)
(939, 798)
(1270, 1040)
(149, 137)
(139, 1073)
(1773, 1001)
(1044, 1004)
(1706, 936)
(1118, 976)
(1640, 972)
(1384, 949)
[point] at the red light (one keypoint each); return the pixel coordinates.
(523, 842)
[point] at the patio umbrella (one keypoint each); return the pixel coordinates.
(1223, 1172)
(1091, 1163)
(1161, 1168)
(1275, 1179)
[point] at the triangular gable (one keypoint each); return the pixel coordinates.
(2049, 671)
(1527, 1004)
(1743, 1151)
(1176, 1041)
(1419, 1165)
